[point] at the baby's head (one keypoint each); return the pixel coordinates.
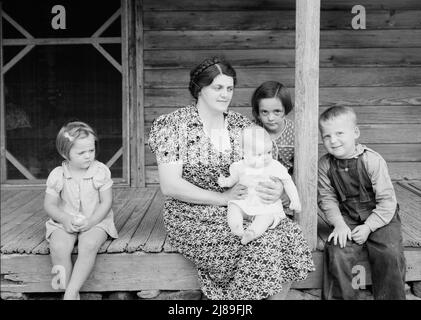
(257, 147)
(76, 142)
(339, 131)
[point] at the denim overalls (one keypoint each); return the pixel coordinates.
(356, 198)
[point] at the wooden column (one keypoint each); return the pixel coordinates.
(3, 176)
(139, 91)
(306, 113)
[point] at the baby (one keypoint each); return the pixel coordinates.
(257, 166)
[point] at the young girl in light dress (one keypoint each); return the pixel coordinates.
(78, 200)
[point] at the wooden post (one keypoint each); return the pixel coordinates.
(139, 119)
(126, 101)
(3, 168)
(306, 113)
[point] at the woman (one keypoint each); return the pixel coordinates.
(194, 146)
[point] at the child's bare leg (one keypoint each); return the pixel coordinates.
(61, 247)
(89, 243)
(259, 225)
(235, 219)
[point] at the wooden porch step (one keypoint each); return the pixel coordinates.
(142, 257)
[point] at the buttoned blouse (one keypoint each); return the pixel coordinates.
(80, 197)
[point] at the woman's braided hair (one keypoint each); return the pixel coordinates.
(203, 74)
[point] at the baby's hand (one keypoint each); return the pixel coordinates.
(295, 205)
(222, 181)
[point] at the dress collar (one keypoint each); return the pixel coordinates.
(88, 174)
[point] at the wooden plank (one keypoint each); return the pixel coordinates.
(139, 103)
(115, 157)
(275, 19)
(392, 133)
(373, 133)
(126, 94)
(42, 248)
(394, 57)
(18, 199)
(13, 222)
(157, 238)
(278, 39)
(411, 187)
(17, 58)
(126, 233)
(410, 208)
(32, 239)
(349, 96)
(392, 96)
(19, 166)
(60, 41)
(3, 167)
(162, 271)
(31, 227)
(416, 184)
(107, 23)
(112, 272)
(217, 5)
(404, 170)
(365, 114)
(109, 57)
(306, 113)
(396, 152)
(122, 214)
(6, 194)
(144, 229)
(16, 25)
(329, 77)
(386, 114)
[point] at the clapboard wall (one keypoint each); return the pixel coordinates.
(377, 71)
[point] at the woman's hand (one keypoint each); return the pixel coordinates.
(237, 192)
(270, 191)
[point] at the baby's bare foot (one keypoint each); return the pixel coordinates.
(238, 231)
(249, 235)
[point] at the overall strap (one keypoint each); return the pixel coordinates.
(364, 179)
(332, 175)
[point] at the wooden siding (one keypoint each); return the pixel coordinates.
(377, 71)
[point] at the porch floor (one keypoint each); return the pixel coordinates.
(142, 258)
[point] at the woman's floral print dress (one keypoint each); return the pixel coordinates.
(227, 269)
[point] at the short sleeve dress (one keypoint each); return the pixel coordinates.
(226, 268)
(285, 145)
(80, 198)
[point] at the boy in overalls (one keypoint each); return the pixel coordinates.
(357, 197)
